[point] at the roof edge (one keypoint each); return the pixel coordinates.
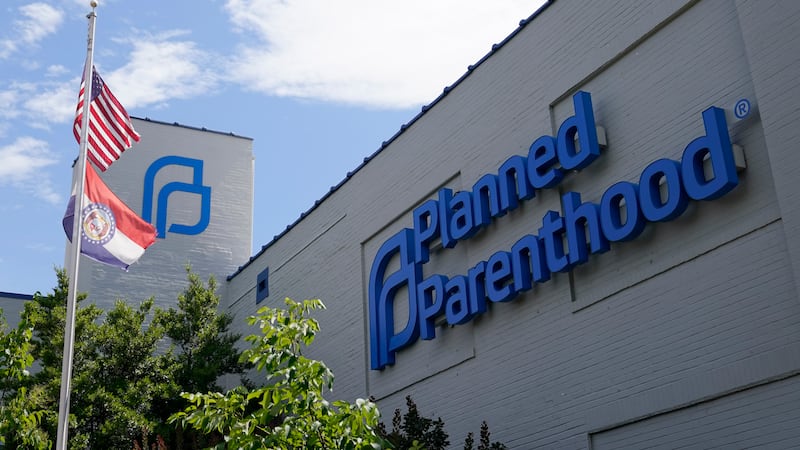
(189, 127)
(15, 296)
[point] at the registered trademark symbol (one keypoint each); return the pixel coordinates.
(742, 108)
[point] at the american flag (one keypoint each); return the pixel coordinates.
(110, 128)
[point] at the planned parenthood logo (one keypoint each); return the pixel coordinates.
(195, 187)
(566, 238)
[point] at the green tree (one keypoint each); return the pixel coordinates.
(199, 332)
(115, 390)
(46, 316)
(485, 441)
(15, 357)
(412, 430)
(116, 371)
(21, 414)
(289, 411)
(202, 349)
(123, 388)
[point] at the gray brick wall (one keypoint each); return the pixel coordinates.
(218, 250)
(688, 335)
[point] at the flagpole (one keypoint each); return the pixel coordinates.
(72, 297)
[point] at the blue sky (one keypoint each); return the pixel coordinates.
(317, 84)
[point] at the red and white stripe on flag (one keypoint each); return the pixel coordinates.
(110, 127)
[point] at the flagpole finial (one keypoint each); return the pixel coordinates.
(93, 4)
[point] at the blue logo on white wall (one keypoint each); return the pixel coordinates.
(565, 239)
(195, 187)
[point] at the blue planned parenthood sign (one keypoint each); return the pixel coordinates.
(621, 215)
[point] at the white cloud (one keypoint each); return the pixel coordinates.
(56, 70)
(8, 104)
(21, 165)
(7, 47)
(162, 68)
(41, 247)
(37, 21)
(52, 102)
(384, 54)
(41, 20)
(40, 103)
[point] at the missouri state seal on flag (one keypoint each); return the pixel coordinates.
(111, 233)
